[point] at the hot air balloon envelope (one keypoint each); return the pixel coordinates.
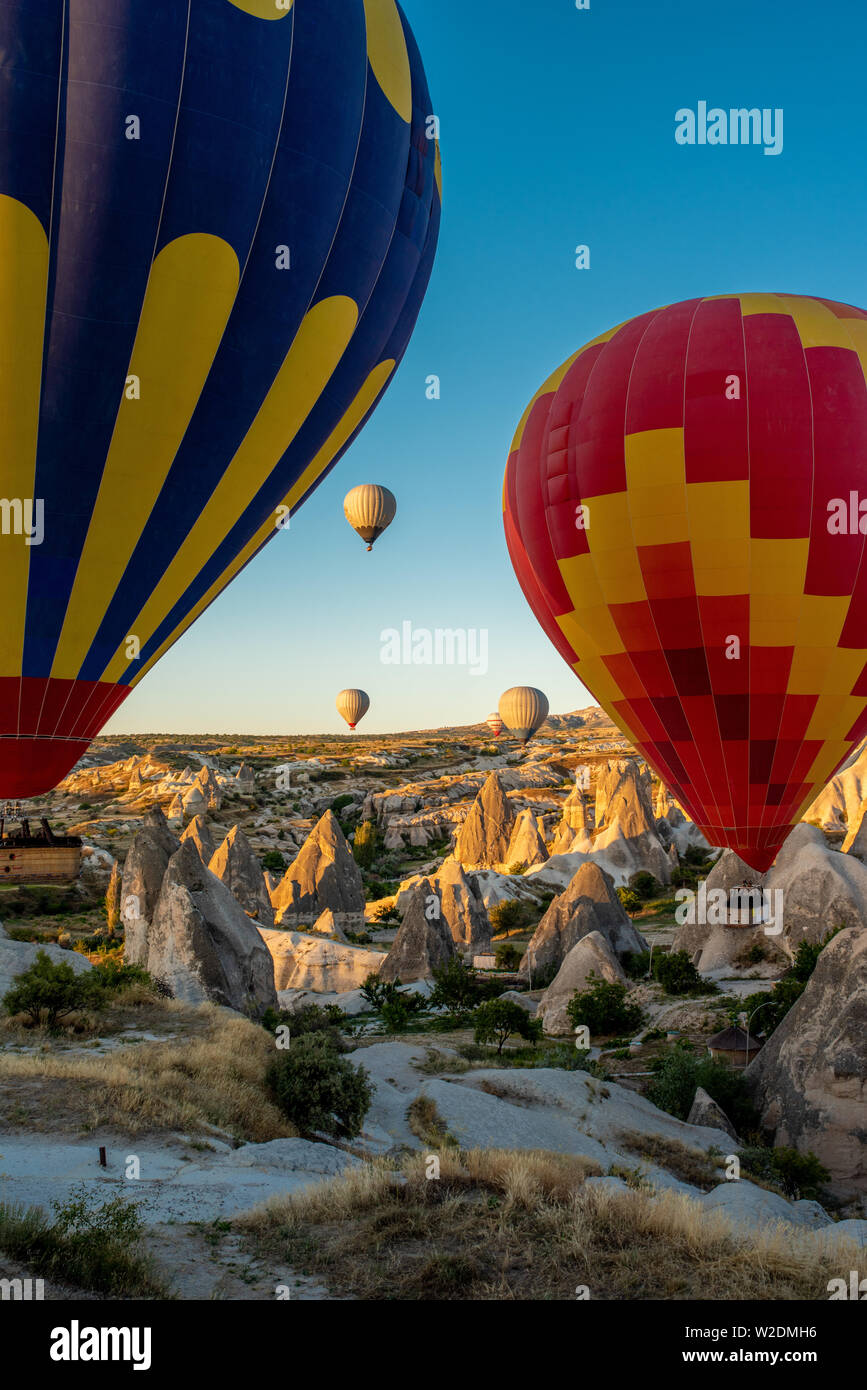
(352, 705)
(369, 509)
(677, 510)
(523, 710)
(218, 222)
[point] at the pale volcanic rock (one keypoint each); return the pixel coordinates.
(199, 831)
(821, 888)
(462, 908)
(194, 801)
(303, 961)
(571, 833)
(483, 840)
(705, 1111)
(143, 872)
(17, 956)
(324, 874)
(202, 945)
(588, 904)
(810, 1079)
(592, 955)
(423, 942)
(526, 845)
(838, 805)
(855, 842)
(628, 836)
(236, 865)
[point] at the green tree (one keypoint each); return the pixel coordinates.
(507, 955)
(365, 845)
(676, 973)
(318, 1090)
(48, 991)
(603, 1008)
(499, 1019)
(274, 861)
(455, 987)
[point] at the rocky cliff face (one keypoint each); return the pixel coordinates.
(483, 840)
(324, 875)
(423, 942)
(143, 874)
(236, 865)
(588, 904)
(810, 1079)
(592, 955)
(202, 945)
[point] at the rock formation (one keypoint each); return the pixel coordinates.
(236, 865)
(821, 888)
(199, 832)
(324, 874)
(202, 945)
(810, 1079)
(316, 963)
(152, 847)
(526, 845)
(423, 941)
(462, 908)
(588, 904)
(705, 1111)
(18, 956)
(483, 840)
(571, 833)
(592, 955)
(628, 838)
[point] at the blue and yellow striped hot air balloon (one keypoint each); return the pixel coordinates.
(218, 219)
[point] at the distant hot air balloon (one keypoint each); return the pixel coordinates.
(523, 710)
(352, 705)
(495, 724)
(200, 306)
(682, 512)
(369, 509)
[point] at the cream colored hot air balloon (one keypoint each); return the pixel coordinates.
(523, 710)
(369, 509)
(352, 705)
(495, 724)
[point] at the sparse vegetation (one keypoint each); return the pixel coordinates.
(524, 1226)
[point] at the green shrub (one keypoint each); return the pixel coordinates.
(680, 1072)
(318, 1090)
(636, 963)
(629, 899)
(48, 992)
(645, 885)
(510, 915)
(365, 845)
(507, 955)
(499, 1019)
(274, 861)
(676, 973)
(799, 1175)
(388, 914)
(519, 867)
(455, 987)
(309, 1020)
(603, 1008)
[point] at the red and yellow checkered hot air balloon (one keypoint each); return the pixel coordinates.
(683, 510)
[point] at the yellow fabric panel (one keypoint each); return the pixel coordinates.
(761, 304)
(778, 566)
(23, 287)
(857, 333)
(822, 619)
(654, 457)
(821, 771)
(386, 52)
(721, 567)
(319, 344)
(264, 9)
(600, 678)
(833, 718)
(816, 325)
(809, 665)
(580, 579)
(593, 624)
(718, 512)
(190, 293)
(844, 667)
(659, 515)
(363, 402)
(774, 619)
(610, 523)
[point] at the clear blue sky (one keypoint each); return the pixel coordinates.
(557, 129)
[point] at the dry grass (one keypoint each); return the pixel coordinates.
(211, 1078)
(690, 1165)
(503, 1225)
(428, 1125)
